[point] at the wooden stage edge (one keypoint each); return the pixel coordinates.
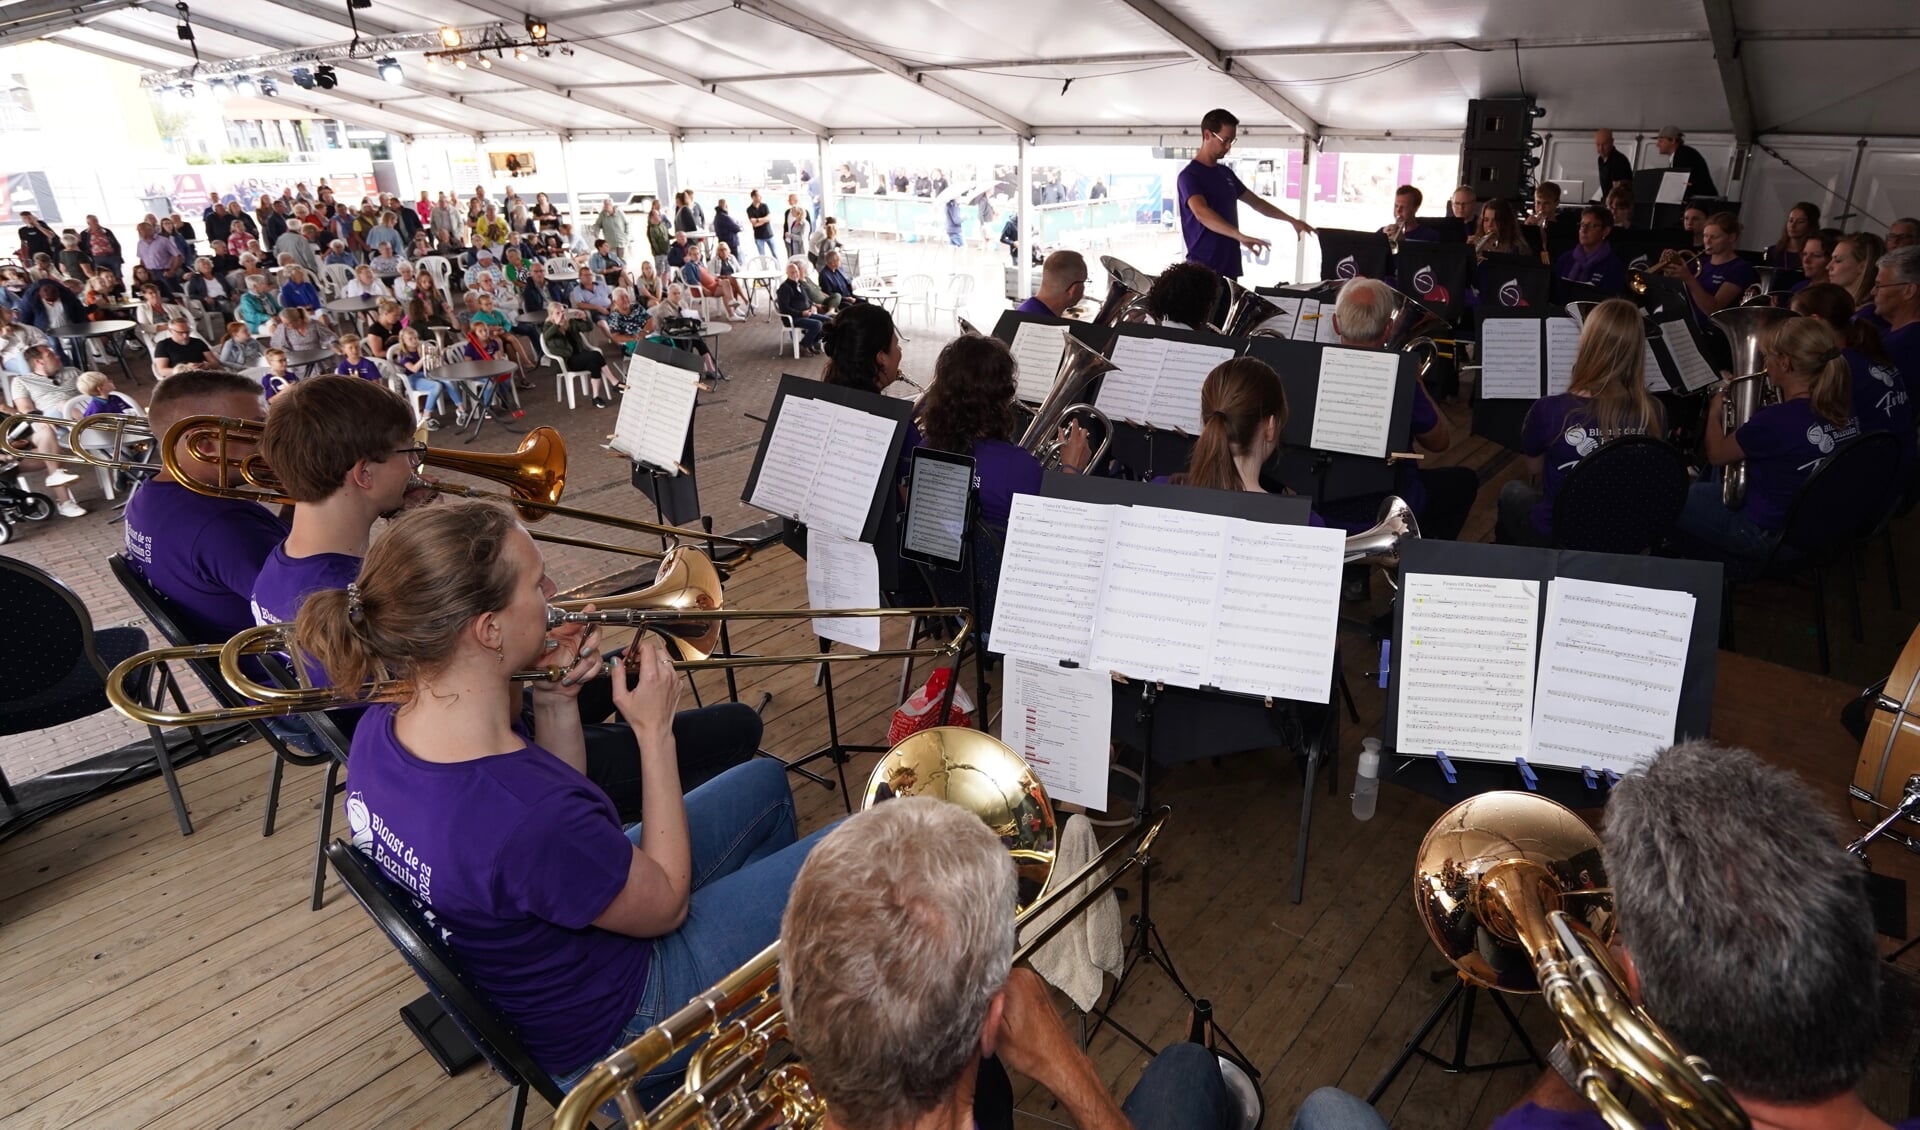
(160, 981)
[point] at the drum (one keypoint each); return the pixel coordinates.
(1891, 752)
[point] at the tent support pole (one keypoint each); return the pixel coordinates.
(1029, 218)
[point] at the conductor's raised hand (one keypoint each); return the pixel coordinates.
(1254, 244)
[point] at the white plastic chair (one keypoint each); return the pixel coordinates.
(440, 269)
(334, 276)
(701, 298)
(916, 290)
(397, 381)
(564, 379)
(790, 334)
(954, 297)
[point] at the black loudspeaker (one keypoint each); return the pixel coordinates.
(1494, 173)
(1499, 123)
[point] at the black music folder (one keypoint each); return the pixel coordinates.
(677, 497)
(827, 466)
(1154, 427)
(1514, 282)
(1436, 273)
(1330, 476)
(1346, 254)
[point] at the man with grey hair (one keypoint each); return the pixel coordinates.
(1903, 232)
(895, 966)
(1440, 496)
(1896, 297)
(1746, 936)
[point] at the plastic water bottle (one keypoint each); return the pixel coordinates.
(1366, 783)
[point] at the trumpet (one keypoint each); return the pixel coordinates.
(683, 607)
(1513, 891)
(534, 474)
(741, 1019)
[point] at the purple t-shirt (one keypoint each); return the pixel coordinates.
(1880, 400)
(1033, 305)
(364, 368)
(1560, 443)
(1713, 275)
(1602, 269)
(516, 854)
(1004, 469)
(202, 553)
(1872, 317)
(285, 582)
(1532, 1117)
(1221, 189)
(1782, 445)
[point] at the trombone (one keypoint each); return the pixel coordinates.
(108, 453)
(534, 474)
(683, 606)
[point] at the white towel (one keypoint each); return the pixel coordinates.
(1074, 960)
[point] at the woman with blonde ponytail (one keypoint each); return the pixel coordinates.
(1606, 398)
(1781, 444)
(583, 932)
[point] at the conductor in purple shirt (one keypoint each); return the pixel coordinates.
(1063, 282)
(1210, 198)
(1692, 839)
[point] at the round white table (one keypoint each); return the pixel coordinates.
(881, 296)
(761, 280)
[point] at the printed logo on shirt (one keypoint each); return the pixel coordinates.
(1346, 268)
(1428, 288)
(140, 547)
(1510, 294)
(400, 863)
(1584, 441)
(1638, 263)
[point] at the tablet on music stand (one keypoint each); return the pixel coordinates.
(940, 502)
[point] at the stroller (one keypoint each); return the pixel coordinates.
(17, 503)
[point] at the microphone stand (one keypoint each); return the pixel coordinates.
(1909, 804)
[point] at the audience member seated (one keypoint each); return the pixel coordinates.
(592, 294)
(51, 307)
(354, 361)
(834, 281)
(206, 287)
(298, 290)
(338, 255)
(483, 264)
(258, 306)
(486, 313)
(626, 323)
(44, 390)
(1182, 297)
(178, 350)
(240, 349)
(16, 338)
(563, 339)
(365, 285)
(1782, 443)
(792, 300)
(1607, 398)
(296, 332)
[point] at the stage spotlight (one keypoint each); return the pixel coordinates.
(303, 78)
(486, 64)
(268, 87)
(244, 85)
(324, 78)
(536, 29)
(431, 61)
(390, 70)
(460, 61)
(450, 37)
(519, 55)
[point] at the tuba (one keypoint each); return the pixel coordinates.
(1080, 363)
(1381, 544)
(741, 1019)
(1126, 299)
(1248, 313)
(1513, 890)
(1746, 328)
(1413, 328)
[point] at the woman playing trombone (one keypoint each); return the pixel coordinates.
(584, 933)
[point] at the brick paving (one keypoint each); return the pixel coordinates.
(75, 550)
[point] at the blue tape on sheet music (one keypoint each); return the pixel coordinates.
(1386, 656)
(1527, 776)
(1446, 767)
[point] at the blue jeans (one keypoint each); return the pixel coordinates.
(741, 827)
(1181, 1089)
(441, 390)
(766, 247)
(1331, 1108)
(1709, 531)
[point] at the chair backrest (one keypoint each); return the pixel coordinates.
(336, 276)
(439, 268)
(958, 286)
(916, 286)
(1849, 494)
(758, 263)
(1623, 498)
(44, 634)
(403, 920)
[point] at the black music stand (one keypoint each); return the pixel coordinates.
(1435, 273)
(1514, 282)
(1333, 476)
(1423, 773)
(944, 545)
(1502, 419)
(1148, 450)
(1346, 254)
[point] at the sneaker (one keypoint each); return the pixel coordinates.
(71, 509)
(459, 417)
(433, 423)
(61, 478)
(599, 402)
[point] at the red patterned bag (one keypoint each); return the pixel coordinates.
(921, 708)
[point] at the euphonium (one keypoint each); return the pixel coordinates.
(1414, 328)
(1381, 545)
(1080, 363)
(1746, 328)
(741, 1018)
(1126, 299)
(1248, 313)
(1513, 890)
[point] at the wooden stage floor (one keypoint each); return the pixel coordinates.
(152, 980)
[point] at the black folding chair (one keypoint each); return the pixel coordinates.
(1839, 506)
(1623, 498)
(403, 920)
(163, 614)
(53, 667)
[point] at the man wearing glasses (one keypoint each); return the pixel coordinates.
(1593, 263)
(1896, 297)
(1210, 198)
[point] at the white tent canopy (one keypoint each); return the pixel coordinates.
(1060, 69)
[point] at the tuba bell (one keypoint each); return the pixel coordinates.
(1746, 328)
(1513, 890)
(1126, 299)
(1249, 313)
(1381, 544)
(1415, 328)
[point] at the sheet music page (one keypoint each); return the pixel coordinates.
(1672, 190)
(1323, 329)
(1127, 392)
(1050, 570)
(1509, 359)
(1308, 323)
(1466, 666)
(1158, 595)
(842, 573)
(1612, 659)
(1563, 345)
(1176, 395)
(793, 457)
(1059, 720)
(852, 462)
(937, 508)
(1278, 612)
(1353, 406)
(1695, 373)
(1656, 376)
(659, 402)
(1036, 350)
(1283, 323)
